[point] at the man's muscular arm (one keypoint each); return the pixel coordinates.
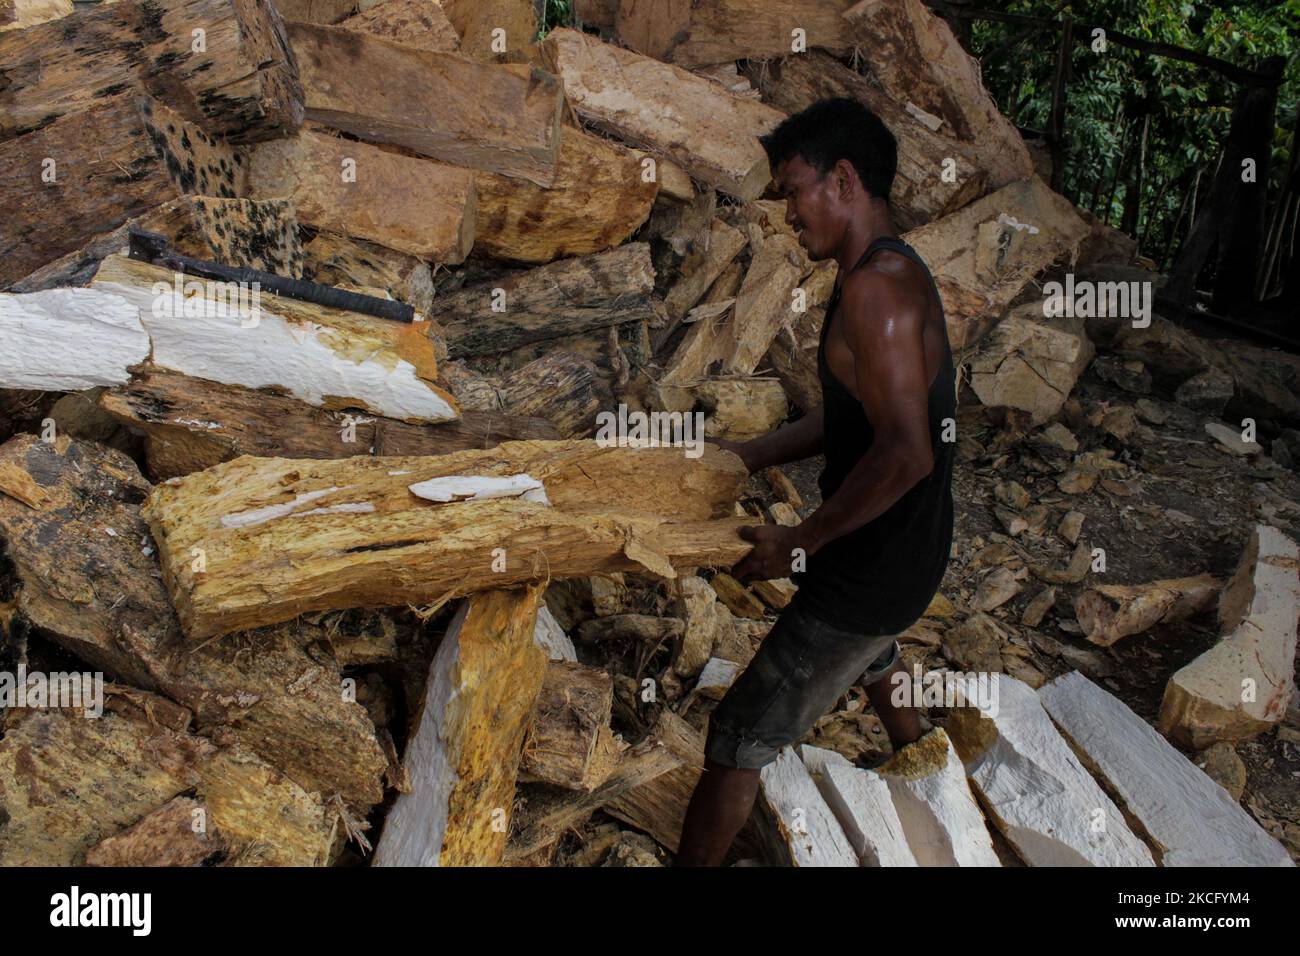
(882, 322)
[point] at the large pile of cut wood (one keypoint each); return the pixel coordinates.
(367, 590)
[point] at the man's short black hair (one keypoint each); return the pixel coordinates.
(835, 129)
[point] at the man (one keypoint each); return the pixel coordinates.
(876, 549)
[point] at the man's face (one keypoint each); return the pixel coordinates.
(813, 207)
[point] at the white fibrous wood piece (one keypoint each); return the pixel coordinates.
(861, 802)
(805, 824)
(1241, 686)
(718, 674)
(322, 356)
(463, 755)
(480, 488)
(68, 340)
(1038, 793)
(1189, 819)
(550, 637)
(942, 822)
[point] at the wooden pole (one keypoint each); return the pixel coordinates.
(1056, 126)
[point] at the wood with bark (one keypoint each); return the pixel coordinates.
(242, 85)
(323, 356)
(331, 259)
(192, 423)
(406, 203)
(694, 34)
(145, 155)
(710, 133)
(551, 301)
(422, 24)
(736, 342)
(921, 192)
(917, 61)
(598, 199)
(502, 119)
(658, 806)
(20, 14)
(464, 752)
(562, 388)
(552, 810)
(569, 714)
(68, 783)
(1109, 612)
(87, 577)
(283, 536)
(714, 252)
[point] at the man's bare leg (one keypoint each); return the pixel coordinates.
(722, 802)
(903, 724)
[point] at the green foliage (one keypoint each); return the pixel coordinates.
(1190, 106)
(558, 13)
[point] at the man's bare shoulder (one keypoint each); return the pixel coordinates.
(886, 296)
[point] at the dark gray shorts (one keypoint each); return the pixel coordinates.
(800, 670)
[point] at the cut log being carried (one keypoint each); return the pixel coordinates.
(498, 118)
(599, 198)
(919, 63)
(283, 536)
(693, 34)
(192, 423)
(406, 203)
(464, 751)
(58, 195)
(921, 190)
(1242, 686)
(239, 83)
(322, 356)
(1187, 818)
(710, 133)
(549, 302)
(1036, 791)
(1109, 612)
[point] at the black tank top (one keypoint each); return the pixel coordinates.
(880, 578)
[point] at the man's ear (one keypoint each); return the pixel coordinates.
(845, 177)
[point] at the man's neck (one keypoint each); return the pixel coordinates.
(860, 233)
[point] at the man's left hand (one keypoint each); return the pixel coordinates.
(773, 555)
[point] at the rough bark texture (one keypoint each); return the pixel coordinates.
(599, 198)
(146, 155)
(549, 302)
(243, 85)
(192, 423)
